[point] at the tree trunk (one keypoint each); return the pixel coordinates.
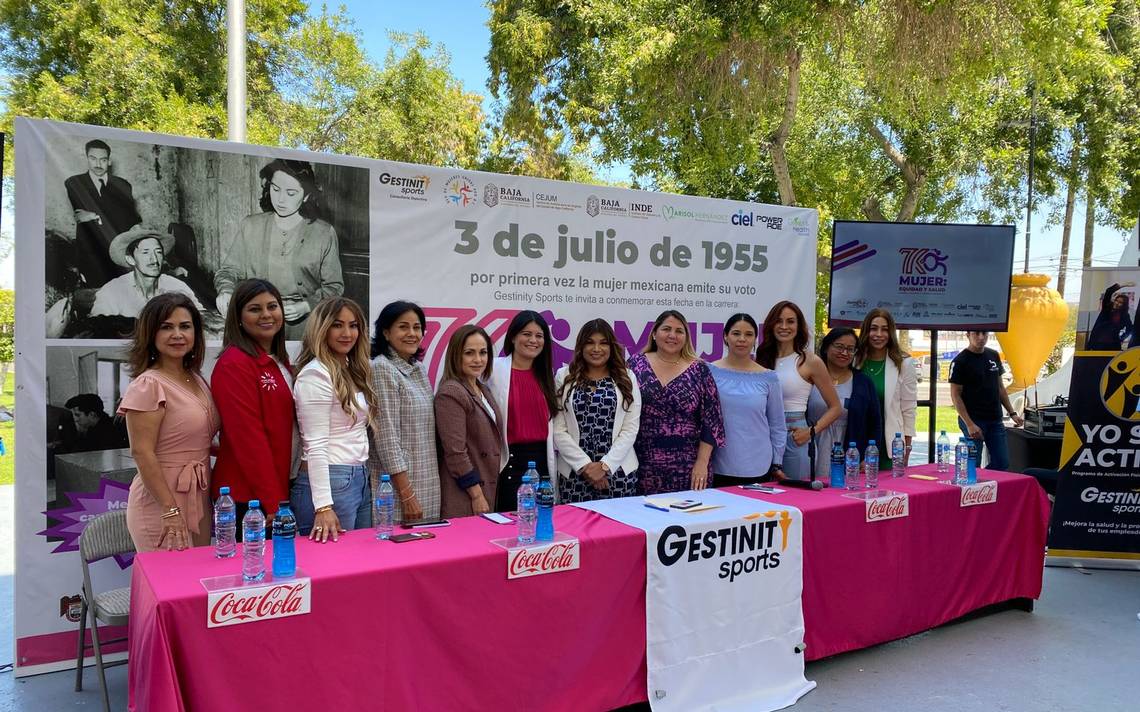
(780, 137)
(1067, 231)
(1090, 223)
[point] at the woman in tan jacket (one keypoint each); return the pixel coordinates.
(468, 426)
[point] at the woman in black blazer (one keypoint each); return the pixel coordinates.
(860, 419)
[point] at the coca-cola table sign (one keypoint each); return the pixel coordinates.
(982, 492)
(542, 557)
(232, 601)
(882, 505)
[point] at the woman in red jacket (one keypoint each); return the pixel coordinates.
(253, 387)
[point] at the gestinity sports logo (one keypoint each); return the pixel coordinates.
(741, 548)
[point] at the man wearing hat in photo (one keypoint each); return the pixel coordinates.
(143, 252)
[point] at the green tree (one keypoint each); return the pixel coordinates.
(7, 334)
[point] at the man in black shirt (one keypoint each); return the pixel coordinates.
(94, 429)
(979, 396)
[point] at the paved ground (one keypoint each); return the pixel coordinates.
(1079, 651)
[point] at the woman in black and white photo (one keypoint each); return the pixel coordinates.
(289, 244)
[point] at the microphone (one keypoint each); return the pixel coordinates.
(812, 484)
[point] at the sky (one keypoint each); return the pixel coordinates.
(461, 27)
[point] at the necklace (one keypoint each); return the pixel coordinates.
(665, 360)
(874, 368)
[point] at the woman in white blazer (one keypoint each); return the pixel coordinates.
(879, 357)
(523, 384)
(599, 409)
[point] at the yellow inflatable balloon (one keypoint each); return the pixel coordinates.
(1037, 315)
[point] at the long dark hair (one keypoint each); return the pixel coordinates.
(766, 354)
(312, 207)
(234, 335)
(142, 354)
(543, 365)
(893, 350)
(576, 372)
(388, 316)
(833, 336)
(740, 316)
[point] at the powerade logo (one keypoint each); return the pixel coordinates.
(924, 270)
(743, 219)
(743, 548)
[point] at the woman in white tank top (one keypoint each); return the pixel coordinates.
(784, 349)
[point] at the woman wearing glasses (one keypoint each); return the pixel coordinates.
(860, 419)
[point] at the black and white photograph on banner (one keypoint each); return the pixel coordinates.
(126, 220)
(1107, 318)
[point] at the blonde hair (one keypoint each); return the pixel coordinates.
(687, 351)
(349, 376)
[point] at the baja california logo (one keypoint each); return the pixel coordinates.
(981, 493)
(246, 605)
(891, 506)
(491, 195)
(549, 558)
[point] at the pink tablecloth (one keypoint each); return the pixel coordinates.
(870, 582)
(431, 625)
(435, 625)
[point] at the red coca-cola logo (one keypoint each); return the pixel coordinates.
(980, 495)
(556, 557)
(887, 508)
(281, 600)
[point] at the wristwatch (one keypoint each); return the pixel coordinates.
(606, 468)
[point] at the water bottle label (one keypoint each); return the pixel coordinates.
(229, 606)
(980, 493)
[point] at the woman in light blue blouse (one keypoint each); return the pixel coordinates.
(753, 407)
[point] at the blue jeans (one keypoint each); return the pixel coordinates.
(797, 464)
(351, 493)
(993, 435)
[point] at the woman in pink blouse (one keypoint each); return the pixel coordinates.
(171, 420)
(523, 384)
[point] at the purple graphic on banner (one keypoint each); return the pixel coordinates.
(849, 253)
(84, 507)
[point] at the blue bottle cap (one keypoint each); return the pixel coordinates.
(224, 490)
(851, 444)
(530, 464)
(385, 478)
(870, 442)
(255, 504)
(898, 435)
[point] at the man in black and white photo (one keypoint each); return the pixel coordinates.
(104, 206)
(94, 429)
(143, 252)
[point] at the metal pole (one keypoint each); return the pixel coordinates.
(933, 408)
(235, 69)
(1032, 152)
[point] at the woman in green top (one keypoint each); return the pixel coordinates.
(879, 357)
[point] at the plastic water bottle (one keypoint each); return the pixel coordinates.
(284, 542)
(837, 470)
(871, 465)
(544, 501)
(225, 525)
(851, 465)
(961, 461)
(527, 511)
(972, 467)
(253, 543)
(942, 451)
(898, 453)
(385, 511)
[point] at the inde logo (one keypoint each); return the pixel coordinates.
(549, 558)
(258, 603)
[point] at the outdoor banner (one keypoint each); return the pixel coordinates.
(1096, 515)
(112, 215)
(929, 275)
(723, 612)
